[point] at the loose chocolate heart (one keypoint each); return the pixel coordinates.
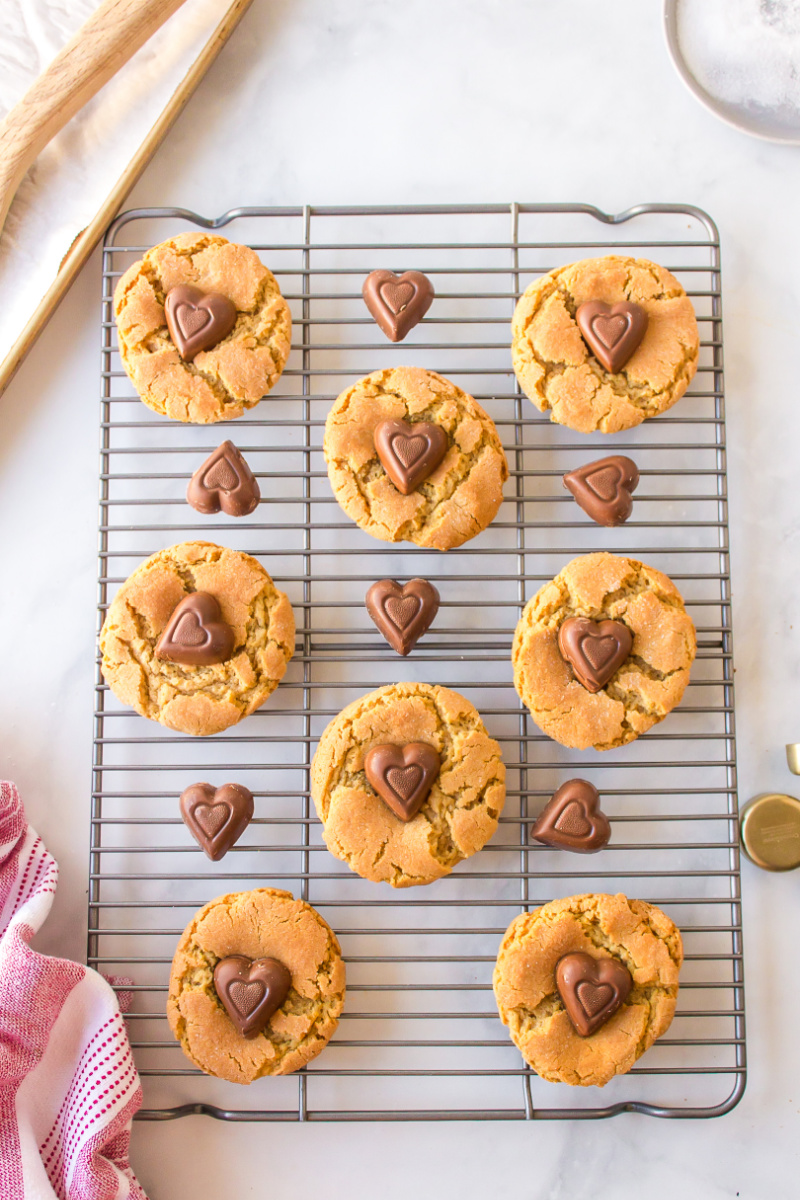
(402, 614)
(216, 818)
(603, 488)
(594, 649)
(197, 320)
(409, 453)
(403, 775)
(572, 819)
(196, 635)
(612, 332)
(251, 990)
(591, 989)
(397, 302)
(224, 481)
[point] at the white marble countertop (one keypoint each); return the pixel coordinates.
(364, 101)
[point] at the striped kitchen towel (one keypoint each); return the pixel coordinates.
(68, 1086)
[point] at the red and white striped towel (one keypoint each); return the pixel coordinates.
(68, 1086)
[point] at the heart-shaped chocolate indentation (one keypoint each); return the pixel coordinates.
(221, 477)
(196, 635)
(612, 332)
(397, 302)
(402, 614)
(245, 996)
(404, 781)
(603, 488)
(224, 481)
(216, 818)
(409, 453)
(594, 649)
(402, 610)
(211, 817)
(409, 449)
(397, 294)
(594, 997)
(572, 819)
(591, 989)
(403, 775)
(251, 990)
(197, 320)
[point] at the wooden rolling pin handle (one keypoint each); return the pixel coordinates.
(107, 40)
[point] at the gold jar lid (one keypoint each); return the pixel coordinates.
(770, 829)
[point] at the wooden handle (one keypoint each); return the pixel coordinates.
(107, 40)
(86, 241)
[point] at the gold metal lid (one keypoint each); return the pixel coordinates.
(793, 757)
(771, 831)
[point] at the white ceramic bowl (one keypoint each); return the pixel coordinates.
(753, 119)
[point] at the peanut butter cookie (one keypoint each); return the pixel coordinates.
(632, 933)
(197, 699)
(456, 501)
(219, 383)
(264, 923)
(557, 370)
(460, 812)
(648, 683)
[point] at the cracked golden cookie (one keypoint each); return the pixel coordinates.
(220, 382)
(251, 926)
(636, 936)
(460, 811)
(649, 680)
(456, 500)
(206, 697)
(559, 372)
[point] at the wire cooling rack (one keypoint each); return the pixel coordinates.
(420, 1038)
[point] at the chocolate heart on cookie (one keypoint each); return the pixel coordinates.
(196, 635)
(397, 302)
(603, 488)
(224, 481)
(403, 775)
(594, 649)
(402, 614)
(216, 818)
(591, 989)
(197, 320)
(572, 819)
(251, 990)
(612, 331)
(409, 453)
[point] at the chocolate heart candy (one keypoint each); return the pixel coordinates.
(591, 989)
(216, 818)
(197, 320)
(409, 453)
(603, 488)
(251, 990)
(224, 481)
(594, 649)
(572, 819)
(612, 331)
(403, 775)
(196, 635)
(397, 302)
(402, 614)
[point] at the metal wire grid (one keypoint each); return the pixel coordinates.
(420, 1038)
